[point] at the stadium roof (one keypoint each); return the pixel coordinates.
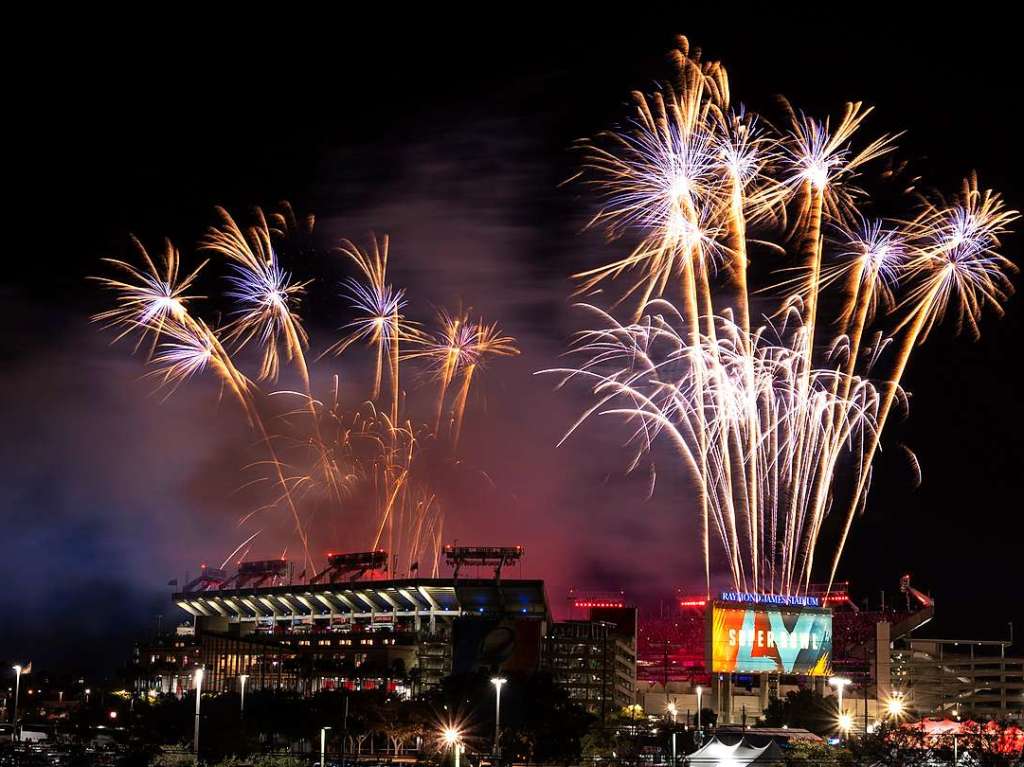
(370, 598)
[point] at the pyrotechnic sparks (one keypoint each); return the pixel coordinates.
(149, 297)
(758, 432)
(459, 349)
(762, 418)
(352, 470)
(447, 351)
(266, 293)
(380, 321)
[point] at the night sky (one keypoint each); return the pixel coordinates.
(456, 145)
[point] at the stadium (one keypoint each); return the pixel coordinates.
(354, 627)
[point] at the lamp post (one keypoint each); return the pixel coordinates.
(323, 746)
(700, 695)
(895, 706)
(241, 709)
(198, 684)
(453, 739)
(673, 711)
(839, 683)
(497, 681)
(17, 689)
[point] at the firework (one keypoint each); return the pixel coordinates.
(367, 472)
(772, 431)
(486, 342)
(763, 412)
(265, 292)
(459, 349)
(380, 320)
(148, 298)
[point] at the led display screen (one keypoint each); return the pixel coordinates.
(763, 637)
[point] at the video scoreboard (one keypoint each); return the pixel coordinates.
(753, 633)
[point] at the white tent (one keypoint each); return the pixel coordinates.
(715, 753)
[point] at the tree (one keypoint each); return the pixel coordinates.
(614, 739)
(805, 753)
(804, 709)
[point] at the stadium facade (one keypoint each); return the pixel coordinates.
(353, 628)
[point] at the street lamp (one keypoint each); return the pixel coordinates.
(453, 739)
(673, 711)
(243, 678)
(17, 688)
(895, 706)
(839, 683)
(700, 694)
(845, 721)
(323, 746)
(497, 681)
(198, 684)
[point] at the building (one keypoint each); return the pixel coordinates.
(965, 678)
(165, 663)
(403, 635)
(674, 654)
(595, 660)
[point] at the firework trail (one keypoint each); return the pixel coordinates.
(763, 412)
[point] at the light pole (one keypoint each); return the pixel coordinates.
(673, 710)
(241, 709)
(497, 681)
(700, 695)
(453, 739)
(323, 746)
(895, 706)
(17, 689)
(840, 683)
(198, 684)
